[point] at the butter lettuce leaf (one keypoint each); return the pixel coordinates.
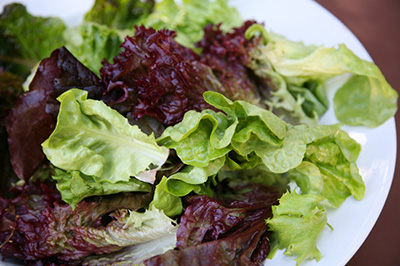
(321, 159)
(197, 179)
(96, 140)
(200, 138)
(189, 17)
(170, 204)
(329, 169)
(365, 99)
(298, 220)
(288, 154)
(74, 186)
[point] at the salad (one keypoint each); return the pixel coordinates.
(174, 136)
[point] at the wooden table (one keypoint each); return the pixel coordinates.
(376, 23)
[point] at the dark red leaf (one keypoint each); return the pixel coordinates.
(155, 76)
(227, 231)
(33, 118)
(38, 227)
(227, 55)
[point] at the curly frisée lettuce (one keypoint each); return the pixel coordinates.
(96, 140)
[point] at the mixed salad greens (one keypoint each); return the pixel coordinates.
(164, 133)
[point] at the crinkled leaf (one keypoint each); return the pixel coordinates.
(366, 99)
(299, 220)
(226, 54)
(98, 141)
(33, 117)
(44, 225)
(157, 77)
(170, 204)
(190, 17)
(193, 178)
(120, 14)
(74, 186)
(230, 230)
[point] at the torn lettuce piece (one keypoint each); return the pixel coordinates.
(74, 186)
(287, 155)
(330, 169)
(136, 254)
(119, 14)
(245, 136)
(190, 17)
(200, 138)
(27, 39)
(196, 179)
(366, 99)
(100, 226)
(298, 221)
(92, 42)
(170, 204)
(96, 140)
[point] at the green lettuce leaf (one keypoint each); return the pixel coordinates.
(190, 17)
(170, 204)
(74, 186)
(245, 136)
(119, 14)
(96, 140)
(91, 42)
(27, 39)
(365, 100)
(298, 73)
(330, 169)
(298, 220)
(200, 138)
(290, 153)
(192, 178)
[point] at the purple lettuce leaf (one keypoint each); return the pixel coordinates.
(157, 77)
(227, 55)
(229, 230)
(39, 228)
(33, 117)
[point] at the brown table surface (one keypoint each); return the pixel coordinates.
(376, 23)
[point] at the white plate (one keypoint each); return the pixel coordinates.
(305, 21)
